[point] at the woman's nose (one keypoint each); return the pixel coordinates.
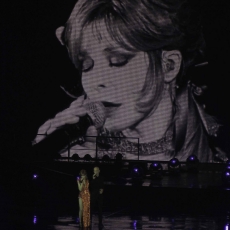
(95, 78)
(99, 82)
(101, 79)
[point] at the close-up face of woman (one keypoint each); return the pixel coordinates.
(112, 75)
(120, 61)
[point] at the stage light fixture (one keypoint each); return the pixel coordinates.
(106, 158)
(35, 219)
(227, 165)
(192, 159)
(192, 163)
(174, 165)
(155, 170)
(87, 157)
(226, 177)
(118, 157)
(75, 157)
(135, 224)
(137, 175)
(155, 167)
(35, 176)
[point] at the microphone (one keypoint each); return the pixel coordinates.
(69, 135)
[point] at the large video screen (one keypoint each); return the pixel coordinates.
(119, 76)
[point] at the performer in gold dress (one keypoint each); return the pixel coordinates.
(84, 199)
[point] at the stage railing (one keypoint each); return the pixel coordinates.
(98, 146)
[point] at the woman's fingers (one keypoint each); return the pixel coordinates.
(66, 117)
(78, 102)
(71, 111)
(70, 116)
(41, 134)
(52, 124)
(57, 123)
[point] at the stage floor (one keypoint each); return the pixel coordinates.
(190, 201)
(123, 218)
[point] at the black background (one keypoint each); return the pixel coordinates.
(34, 65)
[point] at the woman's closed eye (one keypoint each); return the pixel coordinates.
(87, 63)
(119, 60)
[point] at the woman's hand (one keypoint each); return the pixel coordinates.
(68, 116)
(80, 183)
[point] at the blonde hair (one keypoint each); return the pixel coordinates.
(84, 173)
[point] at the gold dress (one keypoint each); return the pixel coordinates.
(85, 196)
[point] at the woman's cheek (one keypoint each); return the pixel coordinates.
(86, 84)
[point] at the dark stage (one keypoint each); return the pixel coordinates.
(183, 200)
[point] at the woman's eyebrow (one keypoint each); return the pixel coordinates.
(118, 50)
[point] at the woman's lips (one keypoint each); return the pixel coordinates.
(110, 107)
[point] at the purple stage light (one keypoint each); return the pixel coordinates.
(136, 174)
(35, 176)
(226, 178)
(35, 220)
(174, 162)
(192, 159)
(174, 165)
(134, 223)
(192, 163)
(155, 167)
